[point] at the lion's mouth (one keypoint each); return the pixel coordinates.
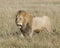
(19, 26)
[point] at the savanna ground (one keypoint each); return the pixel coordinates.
(9, 38)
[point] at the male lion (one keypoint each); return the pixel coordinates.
(24, 21)
(29, 24)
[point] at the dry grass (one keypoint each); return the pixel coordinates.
(8, 36)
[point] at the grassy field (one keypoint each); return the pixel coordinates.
(8, 36)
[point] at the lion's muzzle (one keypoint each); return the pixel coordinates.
(19, 26)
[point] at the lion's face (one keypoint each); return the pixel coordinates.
(19, 21)
(23, 19)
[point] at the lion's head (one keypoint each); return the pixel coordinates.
(23, 19)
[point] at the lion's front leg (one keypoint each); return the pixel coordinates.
(22, 32)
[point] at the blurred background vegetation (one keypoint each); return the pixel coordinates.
(8, 36)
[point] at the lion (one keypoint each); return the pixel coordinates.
(28, 24)
(24, 22)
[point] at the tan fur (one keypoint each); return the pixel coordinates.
(41, 23)
(31, 24)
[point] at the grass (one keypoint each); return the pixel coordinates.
(8, 36)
